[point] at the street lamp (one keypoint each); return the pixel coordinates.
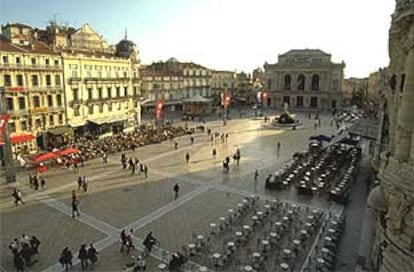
(7, 150)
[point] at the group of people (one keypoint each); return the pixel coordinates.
(23, 250)
(226, 161)
(84, 255)
(83, 183)
(91, 146)
(134, 165)
(36, 181)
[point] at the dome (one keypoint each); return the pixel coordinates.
(125, 48)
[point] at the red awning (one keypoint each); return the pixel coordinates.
(45, 157)
(67, 151)
(15, 139)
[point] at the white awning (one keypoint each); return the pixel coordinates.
(108, 119)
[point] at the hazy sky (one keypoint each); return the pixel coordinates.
(227, 34)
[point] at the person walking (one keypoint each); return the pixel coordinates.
(278, 148)
(36, 183)
(80, 182)
(146, 171)
(85, 184)
(129, 241)
(17, 197)
(256, 175)
(66, 258)
(42, 183)
(105, 157)
(123, 240)
(175, 145)
(92, 255)
(18, 262)
(192, 140)
(74, 204)
(187, 157)
(214, 153)
(176, 190)
(83, 256)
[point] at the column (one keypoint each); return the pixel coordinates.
(405, 124)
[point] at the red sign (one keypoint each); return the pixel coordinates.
(16, 89)
(227, 99)
(158, 108)
(3, 122)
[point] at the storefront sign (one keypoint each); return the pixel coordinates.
(39, 110)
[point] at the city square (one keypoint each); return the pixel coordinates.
(207, 136)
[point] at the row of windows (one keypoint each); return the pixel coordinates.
(91, 109)
(98, 74)
(195, 72)
(36, 102)
(38, 123)
(34, 79)
(33, 61)
(100, 92)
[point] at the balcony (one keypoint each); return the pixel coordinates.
(18, 113)
(75, 102)
(56, 109)
(74, 80)
(106, 79)
(19, 66)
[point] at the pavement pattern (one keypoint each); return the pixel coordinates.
(117, 200)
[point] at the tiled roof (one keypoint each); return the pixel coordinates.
(36, 47)
(305, 52)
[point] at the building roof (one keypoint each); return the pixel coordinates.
(16, 25)
(305, 52)
(197, 99)
(365, 128)
(35, 47)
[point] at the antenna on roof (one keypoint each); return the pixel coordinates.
(126, 34)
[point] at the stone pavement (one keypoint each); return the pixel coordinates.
(117, 200)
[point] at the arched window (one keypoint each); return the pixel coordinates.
(315, 83)
(393, 82)
(402, 83)
(335, 85)
(288, 82)
(269, 84)
(301, 82)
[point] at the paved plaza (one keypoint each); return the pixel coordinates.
(117, 200)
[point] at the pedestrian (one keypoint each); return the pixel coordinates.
(256, 175)
(17, 196)
(278, 148)
(132, 169)
(36, 184)
(66, 258)
(319, 122)
(74, 204)
(85, 184)
(92, 255)
(34, 245)
(80, 182)
(42, 183)
(145, 171)
(105, 157)
(175, 145)
(214, 153)
(123, 240)
(18, 262)
(31, 181)
(142, 168)
(187, 157)
(192, 140)
(227, 136)
(176, 190)
(83, 256)
(130, 243)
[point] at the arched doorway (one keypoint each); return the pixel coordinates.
(315, 83)
(301, 82)
(333, 105)
(288, 82)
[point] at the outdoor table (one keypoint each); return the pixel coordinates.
(256, 255)
(308, 225)
(213, 225)
(259, 213)
(245, 201)
(311, 217)
(284, 266)
(320, 261)
(203, 269)
(265, 242)
(321, 185)
(230, 210)
(306, 178)
(240, 205)
(331, 231)
(191, 246)
(230, 244)
(325, 250)
(247, 268)
(239, 233)
(216, 255)
(267, 206)
(222, 219)
(333, 222)
(162, 266)
(314, 189)
(278, 224)
(200, 237)
(287, 253)
(273, 235)
(304, 232)
(255, 218)
(285, 183)
(246, 227)
(285, 218)
(302, 182)
(328, 239)
(307, 173)
(290, 212)
(296, 242)
(294, 206)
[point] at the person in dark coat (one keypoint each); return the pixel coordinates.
(92, 254)
(187, 157)
(34, 244)
(176, 190)
(74, 204)
(149, 241)
(83, 256)
(18, 262)
(80, 182)
(66, 258)
(42, 183)
(36, 183)
(26, 253)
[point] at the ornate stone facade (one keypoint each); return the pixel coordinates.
(394, 245)
(305, 78)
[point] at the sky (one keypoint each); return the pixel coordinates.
(227, 34)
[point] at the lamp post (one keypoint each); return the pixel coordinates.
(7, 150)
